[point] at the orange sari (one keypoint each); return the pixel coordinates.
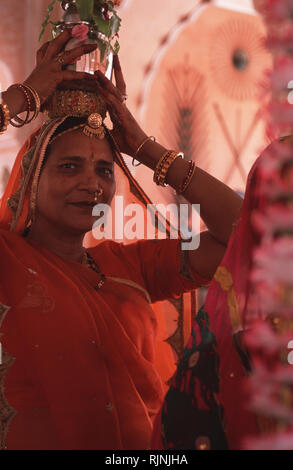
(78, 363)
(83, 375)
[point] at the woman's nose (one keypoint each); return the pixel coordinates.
(90, 180)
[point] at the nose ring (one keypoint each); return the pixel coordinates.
(98, 193)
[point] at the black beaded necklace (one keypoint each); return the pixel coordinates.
(90, 263)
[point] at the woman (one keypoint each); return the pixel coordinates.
(78, 329)
(208, 403)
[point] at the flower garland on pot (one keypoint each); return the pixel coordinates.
(270, 315)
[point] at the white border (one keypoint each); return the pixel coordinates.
(232, 5)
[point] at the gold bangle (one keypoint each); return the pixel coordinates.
(25, 89)
(166, 166)
(6, 116)
(37, 101)
(158, 168)
(17, 121)
(162, 173)
(163, 166)
(151, 137)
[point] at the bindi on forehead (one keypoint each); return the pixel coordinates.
(92, 149)
(103, 153)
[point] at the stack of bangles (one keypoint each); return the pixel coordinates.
(33, 103)
(164, 164)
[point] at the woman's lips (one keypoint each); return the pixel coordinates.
(84, 205)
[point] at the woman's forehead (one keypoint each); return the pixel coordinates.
(75, 143)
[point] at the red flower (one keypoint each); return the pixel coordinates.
(80, 31)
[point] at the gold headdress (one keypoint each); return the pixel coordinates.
(79, 103)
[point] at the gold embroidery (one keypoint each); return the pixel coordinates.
(37, 297)
(31, 162)
(40, 155)
(224, 278)
(7, 413)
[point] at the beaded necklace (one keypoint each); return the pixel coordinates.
(88, 261)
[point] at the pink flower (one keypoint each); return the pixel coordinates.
(275, 10)
(276, 219)
(280, 441)
(282, 74)
(270, 407)
(262, 336)
(268, 300)
(274, 262)
(276, 189)
(280, 38)
(80, 31)
(275, 156)
(282, 113)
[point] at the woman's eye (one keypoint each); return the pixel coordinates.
(70, 166)
(106, 171)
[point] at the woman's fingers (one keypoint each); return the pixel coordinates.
(126, 128)
(75, 53)
(107, 85)
(72, 75)
(115, 108)
(57, 44)
(42, 51)
(119, 79)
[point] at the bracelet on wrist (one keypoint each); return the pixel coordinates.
(187, 180)
(36, 99)
(28, 92)
(21, 122)
(151, 137)
(5, 116)
(163, 166)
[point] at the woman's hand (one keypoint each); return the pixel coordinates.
(126, 131)
(51, 58)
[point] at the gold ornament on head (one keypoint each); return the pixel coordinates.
(79, 103)
(94, 126)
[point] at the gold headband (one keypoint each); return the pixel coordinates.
(79, 103)
(93, 128)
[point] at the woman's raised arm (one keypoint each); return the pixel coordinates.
(219, 205)
(48, 73)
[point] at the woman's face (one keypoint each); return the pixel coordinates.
(76, 167)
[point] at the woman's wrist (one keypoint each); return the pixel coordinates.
(150, 153)
(178, 172)
(15, 100)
